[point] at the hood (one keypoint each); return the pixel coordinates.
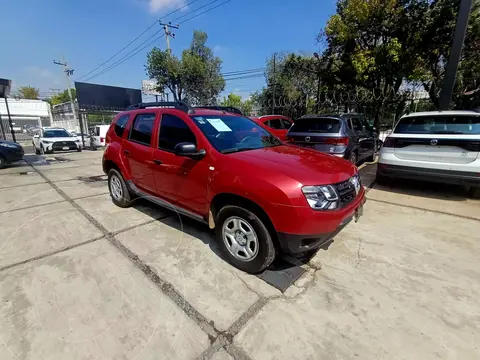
(55, 139)
(10, 143)
(308, 167)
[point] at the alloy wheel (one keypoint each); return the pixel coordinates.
(240, 238)
(116, 188)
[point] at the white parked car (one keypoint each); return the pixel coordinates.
(439, 146)
(55, 139)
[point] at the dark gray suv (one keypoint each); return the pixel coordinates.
(348, 135)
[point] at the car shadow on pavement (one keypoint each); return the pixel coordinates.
(424, 189)
(200, 231)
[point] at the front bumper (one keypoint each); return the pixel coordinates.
(58, 147)
(434, 175)
(12, 155)
(293, 243)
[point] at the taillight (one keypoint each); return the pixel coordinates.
(342, 141)
(102, 139)
(389, 142)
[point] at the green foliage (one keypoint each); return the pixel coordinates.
(236, 101)
(196, 77)
(28, 92)
(62, 97)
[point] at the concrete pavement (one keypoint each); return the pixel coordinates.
(83, 279)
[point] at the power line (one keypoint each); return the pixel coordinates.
(127, 57)
(131, 42)
(191, 12)
(203, 12)
(242, 71)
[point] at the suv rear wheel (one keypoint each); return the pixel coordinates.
(474, 192)
(244, 239)
(118, 189)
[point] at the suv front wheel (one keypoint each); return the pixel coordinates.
(118, 189)
(244, 238)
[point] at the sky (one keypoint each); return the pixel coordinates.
(243, 33)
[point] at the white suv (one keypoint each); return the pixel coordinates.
(440, 146)
(55, 139)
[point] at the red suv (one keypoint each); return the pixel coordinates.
(260, 195)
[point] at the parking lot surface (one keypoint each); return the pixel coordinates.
(83, 279)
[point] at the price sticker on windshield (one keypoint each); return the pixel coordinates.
(219, 125)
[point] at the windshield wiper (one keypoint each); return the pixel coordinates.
(232, 150)
(447, 132)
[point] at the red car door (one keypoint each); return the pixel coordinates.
(137, 151)
(278, 127)
(180, 180)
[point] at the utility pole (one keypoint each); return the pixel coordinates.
(68, 72)
(455, 54)
(319, 82)
(168, 33)
(274, 81)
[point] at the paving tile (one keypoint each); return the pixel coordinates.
(83, 188)
(115, 218)
(189, 260)
(406, 287)
(27, 196)
(35, 231)
(91, 303)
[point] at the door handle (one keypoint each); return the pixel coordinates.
(157, 162)
(126, 152)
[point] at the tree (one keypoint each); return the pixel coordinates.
(62, 97)
(28, 92)
(236, 101)
(196, 77)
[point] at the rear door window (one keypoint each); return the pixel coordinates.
(442, 124)
(357, 124)
(120, 125)
(274, 124)
(142, 129)
(316, 125)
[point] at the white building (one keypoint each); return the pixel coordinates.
(25, 112)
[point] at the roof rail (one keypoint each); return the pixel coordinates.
(230, 109)
(179, 105)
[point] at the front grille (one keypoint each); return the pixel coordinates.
(59, 145)
(346, 192)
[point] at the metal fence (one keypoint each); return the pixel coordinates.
(23, 127)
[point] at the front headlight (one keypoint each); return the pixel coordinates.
(355, 180)
(321, 197)
(11, 146)
(78, 140)
(47, 142)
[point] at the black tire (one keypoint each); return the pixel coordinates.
(265, 253)
(125, 198)
(372, 157)
(353, 158)
(474, 192)
(79, 149)
(3, 162)
(37, 151)
(381, 179)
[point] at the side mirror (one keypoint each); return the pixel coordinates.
(189, 150)
(36, 136)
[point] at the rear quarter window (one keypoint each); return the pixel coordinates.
(121, 124)
(442, 124)
(320, 125)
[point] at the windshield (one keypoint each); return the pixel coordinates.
(56, 133)
(444, 124)
(229, 133)
(319, 125)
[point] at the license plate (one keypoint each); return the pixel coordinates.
(358, 213)
(66, 148)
